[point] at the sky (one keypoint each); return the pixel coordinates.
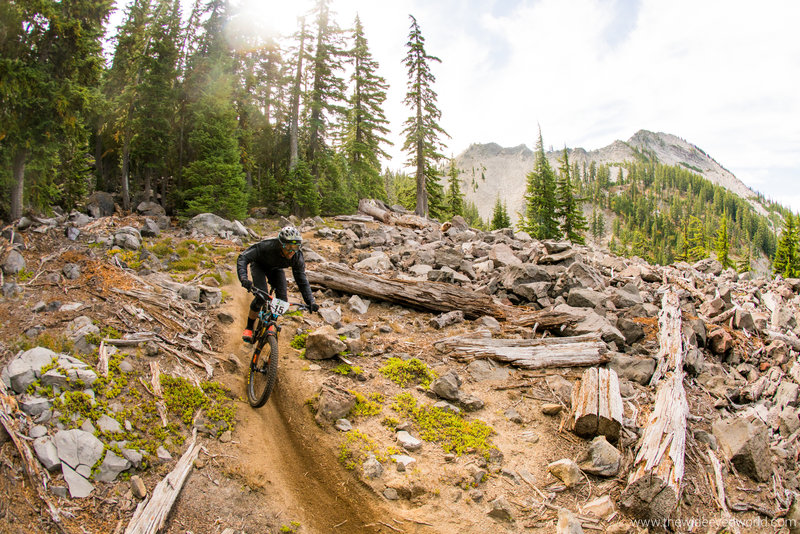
(722, 74)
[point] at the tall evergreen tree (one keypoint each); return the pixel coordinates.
(500, 217)
(215, 180)
(454, 198)
(50, 65)
(366, 128)
(787, 255)
(723, 245)
(422, 129)
(573, 222)
(541, 203)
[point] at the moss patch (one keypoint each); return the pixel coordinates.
(403, 372)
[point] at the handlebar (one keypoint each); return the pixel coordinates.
(267, 297)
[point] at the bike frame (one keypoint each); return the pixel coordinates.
(268, 316)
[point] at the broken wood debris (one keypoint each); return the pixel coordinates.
(597, 405)
(530, 353)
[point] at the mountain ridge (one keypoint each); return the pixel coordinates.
(489, 170)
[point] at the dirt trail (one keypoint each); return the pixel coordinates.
(283, 451)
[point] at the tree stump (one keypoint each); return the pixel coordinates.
(597, 405)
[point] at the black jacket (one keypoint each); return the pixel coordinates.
(269, 256)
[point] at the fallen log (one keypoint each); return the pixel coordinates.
(530, 353)
(654, 485)
(38, 477)
(597, 405)
(426, 296)
(151, 515)
(545, 319)
(376, 210)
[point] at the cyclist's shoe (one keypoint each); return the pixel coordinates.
(247, 336)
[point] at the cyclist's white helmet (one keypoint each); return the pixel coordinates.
(289, 235)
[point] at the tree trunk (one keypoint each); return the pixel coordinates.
(18, 187)
(126, 158)
(375, 209)
(295, 104)
(148, 184)
(654, 485)
(530, 353)
(428, 296)
(597, 405)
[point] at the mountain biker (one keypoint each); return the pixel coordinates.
(267, 260)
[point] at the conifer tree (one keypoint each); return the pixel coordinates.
(573, 222)
(366, 127)
(539, 219)
(697, 240)
(723, 244)
(454, 198)
(500, 217)
(214, 178)
(50, 65)
(422, 130)
(787, 255)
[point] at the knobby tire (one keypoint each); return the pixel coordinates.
(264, 372)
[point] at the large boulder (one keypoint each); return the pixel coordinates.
(323, 343)
(100, 204)
(746, 444)
(13, 263)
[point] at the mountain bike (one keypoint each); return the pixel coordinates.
(264, 363)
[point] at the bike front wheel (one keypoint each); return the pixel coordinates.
(263, 371)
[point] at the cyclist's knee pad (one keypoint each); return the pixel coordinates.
(256, 304)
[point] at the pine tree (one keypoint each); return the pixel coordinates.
(573, 222)
(366, 126)
(454, 198)
(500, 217)
(50, 66)
(214, 178)
(697, 240)
(787, 255)
(541, 203)
(422, 129)
(723, 244)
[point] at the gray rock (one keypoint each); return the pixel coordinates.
(71, 271)
(371, 467)
(128, 238)
(11, 289)
(489, 322)
(746, 445)
(390, 494)
(626, 296)
(481, 370)
(358, 305)
(163, 454)
(108, 424)
(150, 228)
(133, 456)
(447, 407)
(408, 442)
(561, 388)
(79, 485)
(787, 394)
(631, 330)
(47, 453)
(138, 488)
(447, 386)
(332, 316)
(590, 322)
(23, 370)
(13, 263)
(208, 224)
(111, 467)
(501, 509)
(100, 204)
(502, 255)
(33, 405)
(78, 449)
(343, 425)
(585, 298)
(447, 319)
(211, 296)
(37, 431)
(190, 293)
(470, 403)
(633, 368)
(602, 458)
(323, 343)
(377, 262)
(334, 403)
(152, 209)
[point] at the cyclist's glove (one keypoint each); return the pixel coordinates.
(313, 307)
(247, 284)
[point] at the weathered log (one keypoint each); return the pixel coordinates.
(545, 319)
(376, 209)
(654, 485)
(597, 405)
(427, 296)
(530, 353)
(151, 515)
(38, 477)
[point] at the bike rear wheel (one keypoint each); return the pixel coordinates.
(263, 371)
